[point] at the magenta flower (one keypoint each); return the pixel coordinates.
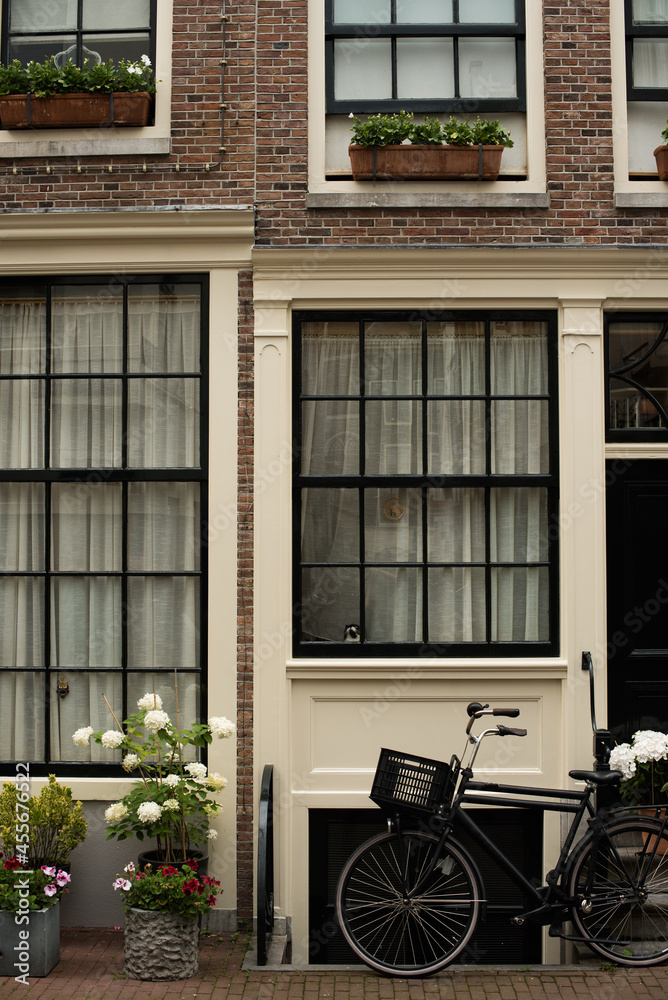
(62, 878)
(122, 883)
(50, 890)
(48, 871)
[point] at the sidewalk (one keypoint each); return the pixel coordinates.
(91, 968)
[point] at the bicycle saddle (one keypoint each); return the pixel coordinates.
(597, 777)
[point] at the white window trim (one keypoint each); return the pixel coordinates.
(354, 194)
(108, 141)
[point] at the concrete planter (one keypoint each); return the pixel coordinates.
(23, 111)
(661, 157)
(32, 947)
(160, 946)
(425, 163)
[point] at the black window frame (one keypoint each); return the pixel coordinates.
(469, 105)
(634, 31)
(124, 475)
(629, 434)
(79, 32)
(550, 481)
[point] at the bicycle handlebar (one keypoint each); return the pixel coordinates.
(475, 710)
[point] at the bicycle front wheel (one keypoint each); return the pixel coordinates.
(620, 882)
(402, 910)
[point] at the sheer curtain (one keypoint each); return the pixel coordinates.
(89, 613)
(392, 544)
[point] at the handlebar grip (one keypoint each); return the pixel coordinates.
(510, 713)
(507, 731)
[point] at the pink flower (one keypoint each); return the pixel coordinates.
(48, 871)
(122, 883)
(50, 890)
(62, 878)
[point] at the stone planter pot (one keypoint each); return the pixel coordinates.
(160, 946)
(23, 111)
(154, 858)
(425, 163)
(661, 157)
(32, 947)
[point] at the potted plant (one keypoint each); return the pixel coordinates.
(46, 95)
(661, 156)
(644, 766)
(163, 905)
(41, 829)
(29, 918)
(171, 799)
(394, 147)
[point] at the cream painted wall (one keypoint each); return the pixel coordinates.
(322, 722)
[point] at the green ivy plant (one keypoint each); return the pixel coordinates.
(45, 79)
(394, 129)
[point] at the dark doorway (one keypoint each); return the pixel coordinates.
(637, 532)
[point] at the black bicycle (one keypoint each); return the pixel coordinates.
(409, 900)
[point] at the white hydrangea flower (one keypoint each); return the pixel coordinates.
(115, 813)
(172, 780)
(649, 745)
(156, 720)
(111, 739)
(622, 759)
(212, 835)
(216, 782)
(221, 727)
(196, 769)
(131, 761)
(82, 736)
(213, 809)
(149, 812)
(171, 804)
(149, 701)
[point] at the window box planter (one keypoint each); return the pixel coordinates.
(36, 953)
(23, 111)
(661, 157)
(425, 163)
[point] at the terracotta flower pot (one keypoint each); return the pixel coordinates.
(23, 111)
(661, 157)
(430, 163)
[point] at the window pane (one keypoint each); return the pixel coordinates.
(650, 11)
(487, 11)
(456, 436)
(163, 622)
(456, 359)
(518, 525)
(22, 422)
(520, 437)
(330, 435)
(35, 15)
(85, 621)
(36, 48)
(520, 604)
(650, 62)
(361, 11)
(163, 424)
(487, 67)
(457, 604)
(22, 701)
(392, 525)
(393, 604)
(22, 520)
(393, 437)
(102, 48)
(164, 328)
(22, 606)
(86, 423)
(362, 68)
(120, 14)
(330, 602)
(519, 359)
(424, 11)
(425, 68)
(456, 525)
(163, 526)
(86, 527)
(84, 701)
(632, 349)
(392, 359)
(23, 334)
(87, 330)
(330, 359)
(330, 526)
(162, 683)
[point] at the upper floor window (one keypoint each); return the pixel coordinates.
(646, 50)
(425, 55)
(78, 29)
(425, 487)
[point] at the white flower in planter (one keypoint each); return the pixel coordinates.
(150, 701)
(82, 736)
(111, 739)
(149, 812)
(221, 727)
(115, 813)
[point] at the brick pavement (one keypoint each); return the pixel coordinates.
(91, 968)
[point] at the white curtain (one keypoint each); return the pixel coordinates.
(391, 540)
(86, 551)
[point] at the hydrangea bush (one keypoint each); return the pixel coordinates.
(172, 798)
(644, 766)
(45, 886)
(167, 889)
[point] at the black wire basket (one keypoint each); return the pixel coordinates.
(417, 784)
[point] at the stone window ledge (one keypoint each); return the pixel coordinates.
(416, 199)
(112, 146)
(641, 199)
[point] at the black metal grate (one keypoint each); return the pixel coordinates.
(415, 783)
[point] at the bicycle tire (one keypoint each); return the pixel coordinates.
(621, 888)
(396, 935)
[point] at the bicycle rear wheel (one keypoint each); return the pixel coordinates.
(395, 929)
(621, 885)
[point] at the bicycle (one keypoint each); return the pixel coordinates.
(408, 901)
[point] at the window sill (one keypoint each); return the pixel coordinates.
(409, 198)
(642, 199)
(116, 144)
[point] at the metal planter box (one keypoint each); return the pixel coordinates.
(30, 948)
(425, 163)
(23, 111)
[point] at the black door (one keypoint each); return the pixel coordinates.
(637, 532)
